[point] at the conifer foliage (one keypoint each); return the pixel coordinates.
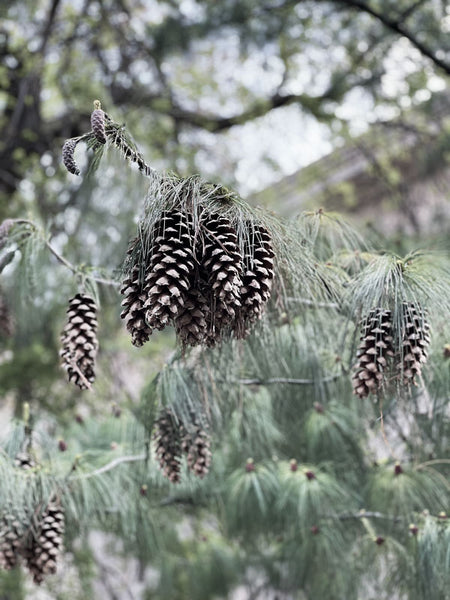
(79, 341)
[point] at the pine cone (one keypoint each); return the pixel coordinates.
(197, 446)
(168, 445)
(191, 324)
(5, 228)
(133, 303)
(222, 265)
(171, 270)
(7, 324)
(11, 535)
(415, 341)
(68, 157)
(98, 125)
(257, 278)
(45, 543)
(79, 341)
(373, 352)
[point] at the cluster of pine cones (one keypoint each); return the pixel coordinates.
(172, 439)
(36, 540)
(197, 279)
(376, 350)
(79, 342)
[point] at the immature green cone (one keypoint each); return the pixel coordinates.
(222, 266)
(168, 445)
(415, 341)
(79, 341)
(6, 318)
(257, 278)
(171, 270)
(11, 536)
(45, 542)
(373, 352)
(68, 159)
(197, 446)
(98, 125)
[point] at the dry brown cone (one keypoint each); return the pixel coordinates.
(98, 125)
(257, 278)
(68, 159)
(7, 324)
(415, 341)
(171, 270)
(11, 538)
(191, 323)
(79, 341)
(373, 353)
(45, 542)
(168, 445)
(197, 445)
(222, 265)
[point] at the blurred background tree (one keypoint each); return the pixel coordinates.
(243, 93)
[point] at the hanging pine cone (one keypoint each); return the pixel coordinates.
(191, 323)
(257, 278)
(170, 273)
(6, 318)
(373, 352)
(45, 542)
(79, 341)
(196, 445)
(222, 265)
(98, 124)
(68, 157)
(168, 445)
(133, 303)
(11, 536)
(415, 341)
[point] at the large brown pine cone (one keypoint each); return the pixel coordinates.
(168, 445)
(415, 341)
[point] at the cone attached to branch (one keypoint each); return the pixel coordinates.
(257, 278)
(373, 353)
(45, 542)
(415, 341)
(222, 267)
(197, 445)
(98, 123)
(11, 537)
(68, 157)
(191, 323)
(168, 445)
(79, 341)
(171, 270)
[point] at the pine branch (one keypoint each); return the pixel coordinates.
(112, 465)
(288, 380)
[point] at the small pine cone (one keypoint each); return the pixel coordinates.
(79, 341)
(68, 157)
(133, 308)
(197, 446)
(415, 341)
(171, 269)
(5, 228)
(7, 324)
(98, 125)
(45, 543)
(373, 352)
(257, 278)
(168, 445)
(11, 536)
(24, 460)
(222, 263)
(191, 323)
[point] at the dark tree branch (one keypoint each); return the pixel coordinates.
(397, 26)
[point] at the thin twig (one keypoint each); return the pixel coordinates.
(287, 380)
(112, 465)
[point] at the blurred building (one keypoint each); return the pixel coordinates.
(396, 176)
